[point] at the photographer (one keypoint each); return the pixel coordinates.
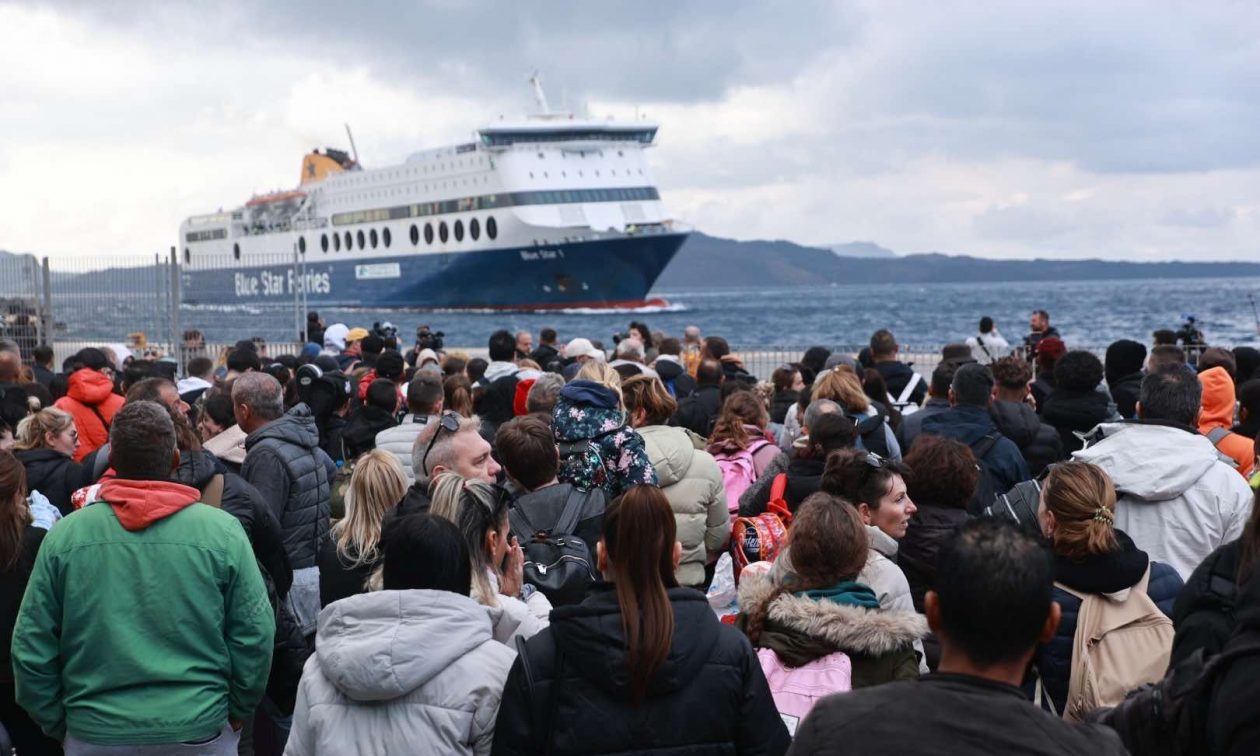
(425, 339)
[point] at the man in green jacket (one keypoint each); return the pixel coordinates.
(146, 625)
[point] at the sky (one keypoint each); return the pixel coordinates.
(1016, 130)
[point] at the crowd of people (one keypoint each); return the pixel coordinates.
(364, 547)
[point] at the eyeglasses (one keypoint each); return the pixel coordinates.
(449, 422)
(874, 460)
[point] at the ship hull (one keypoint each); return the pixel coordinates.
(599, 273)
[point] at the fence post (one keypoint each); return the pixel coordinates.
(297, 302)
(45, 309)
(177, 338)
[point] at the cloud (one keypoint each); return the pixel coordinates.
(1120, 130)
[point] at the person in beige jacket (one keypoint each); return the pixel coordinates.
(689, 477)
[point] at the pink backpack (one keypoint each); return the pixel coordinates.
(739, 471)
(797, 689)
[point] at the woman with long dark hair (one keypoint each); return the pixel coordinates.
(19, 543)
(640, 666)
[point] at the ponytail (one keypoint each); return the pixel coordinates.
(639, 534)
(1083, 501)
(475, 508)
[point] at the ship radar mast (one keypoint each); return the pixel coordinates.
(540, 97)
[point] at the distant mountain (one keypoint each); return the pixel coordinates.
(860, 249)
(712, 262)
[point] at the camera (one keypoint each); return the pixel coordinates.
(386, 331)
(426, 339)
(617, 337)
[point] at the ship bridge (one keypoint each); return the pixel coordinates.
(583, 133)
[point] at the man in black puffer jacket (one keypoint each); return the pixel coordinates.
(284, 462)
(1017, 420)
(1078, 403)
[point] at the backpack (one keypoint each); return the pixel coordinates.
(739, 471)
(1118, 646)
(1020, 505)
(986, 492)
(557, 562)
(903, 403)
(760, 538)
(1169, 717)
(797, 689)
(870, 430)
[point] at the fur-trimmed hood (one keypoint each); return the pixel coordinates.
(849, 628)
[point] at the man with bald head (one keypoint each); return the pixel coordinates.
(284, 462)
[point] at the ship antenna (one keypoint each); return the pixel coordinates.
(540, 97)
(354, 150)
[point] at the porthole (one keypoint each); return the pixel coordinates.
(372, 238)
(386, 237)
(348, 241)
(442, 232)
(474, 228)
(336, 242)
(323, 242)
(302, 244)
(236, 251)
(459, 230)
(187, 255)
(415, 235)
(492, 228)
(428, 233)
(360, 239)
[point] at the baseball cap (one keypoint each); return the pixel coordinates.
(356, 334)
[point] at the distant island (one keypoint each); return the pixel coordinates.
(712, 262)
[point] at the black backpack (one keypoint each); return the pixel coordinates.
(1020, 505)
(557, 562)
(1169, 718)
(986, 491)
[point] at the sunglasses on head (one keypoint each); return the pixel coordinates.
(874, 460)
(449, 421)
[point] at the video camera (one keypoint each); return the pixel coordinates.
(426, 339)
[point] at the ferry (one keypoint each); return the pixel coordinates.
(547, 212)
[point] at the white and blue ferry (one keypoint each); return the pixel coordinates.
(552, 211)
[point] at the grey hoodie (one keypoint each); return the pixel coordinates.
(1175, 498)
(401, 672)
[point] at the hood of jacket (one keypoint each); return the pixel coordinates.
(297, 426)
(228, 445)
(1016, 420)
(497, 370)
(196, 468)
(88, 386)
(383, 645)
(882, 542)
(668, 367)
(670, 450)
(591, 637)
(1112, 573)
(967, 424)
(192, 383)
(1218, 399)
(1149, 461)
(853, 629)
(140, 503)
(594, 394)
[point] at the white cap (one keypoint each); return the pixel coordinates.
(583, 348)
(426, 355)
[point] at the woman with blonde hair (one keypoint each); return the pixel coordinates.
(1092, 558)
(598, 448)
(353, 549)
(480, 511)
(46, 442)
(843, 386)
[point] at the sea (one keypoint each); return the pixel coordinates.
(1087, 313)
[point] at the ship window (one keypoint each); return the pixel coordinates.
(474, 228)
(386, 237)
(302, 244)
(372, 238)
(187, 255)
(349, 240)
(360, 239)
(415, 235)
(236, 251)
(428, 233)
(336, 242)
(459, 230)
(492, 228)
(442, 232)
(323, 242)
